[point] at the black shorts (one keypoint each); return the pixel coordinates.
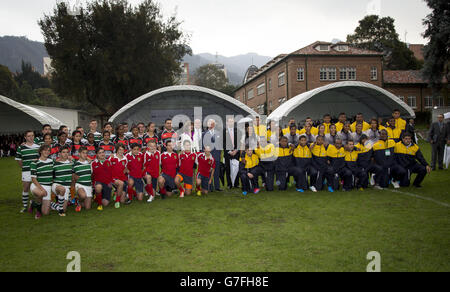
(106, 191)
(205, 181)
(187, 180)
(169, 184)
(138, 184)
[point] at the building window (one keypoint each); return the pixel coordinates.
(343, 74)
(428, 101)
(351, 73)
(439, 101)
(412, 101)
(270, 84)
(324, 47)
(342, 48)
(261, 89)
(281, 78)
(328, 73)
(300, 74)
(250, 94)
(373, 73)
(402, 98)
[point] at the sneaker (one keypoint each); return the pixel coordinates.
(38, 215)
(114, 196)
(150, 199)
(23, 210)
(300, 190)
(158, 194)
(244, 193)
(78, 208)
(377, 187)
(127, 202)
(117, 205)
(100, 208)
(181, 194)
(313, 189)
(255, 191)
(199, 193)
(372, 180)
(395, 184)
(330, 189)
(61, 213)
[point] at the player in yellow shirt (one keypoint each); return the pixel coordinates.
(342, 118)
(360, 119)
(399, 122)
(327, 123)
(314, 130)
(393, 132)
(249, 170)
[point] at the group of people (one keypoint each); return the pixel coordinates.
(9, 144)
(124, 164)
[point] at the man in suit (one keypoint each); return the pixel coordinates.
(438, 138)
(230, 151)
(213, 138)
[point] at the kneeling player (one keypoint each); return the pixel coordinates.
(102, 178)
(119, 170)
(303, 163)
(42, 180)
(351, 163)
(186, 172)
(63, 179)
(169, 165)
(82, 171)
(135, 167)
(249, 171)
(206, 166)
(152, 161)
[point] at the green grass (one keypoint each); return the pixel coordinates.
(277, 231)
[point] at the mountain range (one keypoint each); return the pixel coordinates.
(14, 49)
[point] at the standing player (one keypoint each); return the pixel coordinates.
(119, 164)
(121, 138)
(186, 172)
(206, 167)
(63, 168)
(303, 163)
(151, 134)
(135, 167)
(93, 130)
(135, 139)
(169, 165)
(284, 165)
(336, 156)
(102, 178)
(320, 163)
(76, 145)
(42, 179)
(152, 161)
(351, 163)
(62, 141)
(26, 154)
(46, 129)
(168, 134)
(109, 127)
(106, 144)
(91, 147)
(82, 173)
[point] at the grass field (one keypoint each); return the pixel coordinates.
(277, 231)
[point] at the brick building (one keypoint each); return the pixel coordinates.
(320, 64)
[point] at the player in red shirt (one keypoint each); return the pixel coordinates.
(151, 135)
(186, 171)
(103, 178)
(135, 172)
(119, 169)
(169, 165)
(152, 161)
(206, 166)
(121, 138)
(107, 144)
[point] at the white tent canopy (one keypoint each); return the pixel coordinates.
(167, 102)
(16, 117)
(351, 97)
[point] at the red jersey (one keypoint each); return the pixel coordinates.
(152, 163)
(148, 139)
(92, 151)
(169, 163)
(135, 165)
(132, 140)
(205, 165)
(123, 141)
(75, 152)
(102, 172)
(108, 147)
(187, 161)
(118, 167)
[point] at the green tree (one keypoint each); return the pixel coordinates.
(210, 76)
(378, 34)
(111, 53)
(437, 52)
(32, 77)
(229, 89)
(8, 86)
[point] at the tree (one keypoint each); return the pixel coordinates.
(229, 89)
(8, 86)
(210, 76)
(32, 77)
(437, 52)
(111, 53)
(378, 34)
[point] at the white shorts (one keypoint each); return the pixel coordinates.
(26, 176)
(66, 194)
(48, 189)
(87, 190)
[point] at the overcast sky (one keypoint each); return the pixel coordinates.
(232, 27)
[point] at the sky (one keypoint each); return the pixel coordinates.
(233, 27)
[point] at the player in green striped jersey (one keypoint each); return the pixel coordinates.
(42, 180)
(82, 173)
(46, 129)
(93, 129)
(26, 153)
(63, 179)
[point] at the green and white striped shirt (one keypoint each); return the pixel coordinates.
(42, 171)
(63, 172)
(97, 136)
(40, 140)
(84, 172)
(27, 154)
